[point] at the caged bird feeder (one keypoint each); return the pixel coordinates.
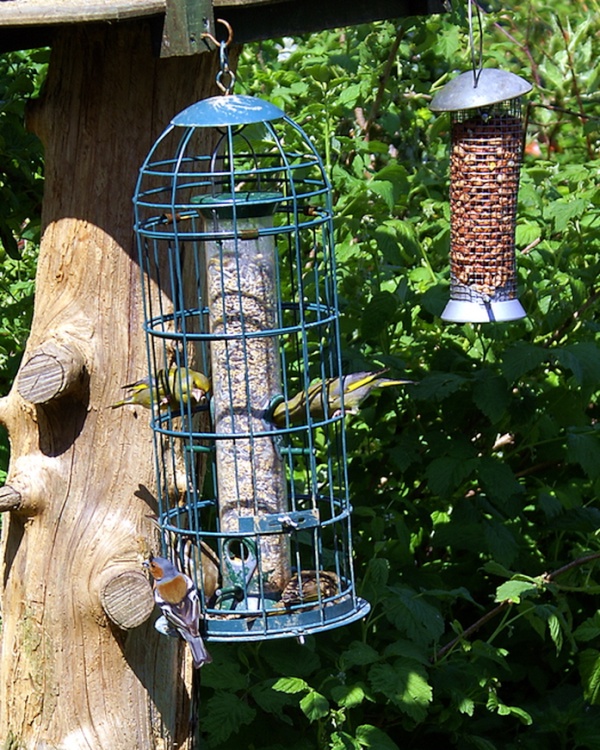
(234, 229)
(485, 162)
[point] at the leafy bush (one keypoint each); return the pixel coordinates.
(21, 184)
(475, 514)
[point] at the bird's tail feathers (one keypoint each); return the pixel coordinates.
(200, 655)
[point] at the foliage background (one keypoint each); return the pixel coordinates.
(475, 490)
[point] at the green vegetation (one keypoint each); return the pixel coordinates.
(21, 185)
(475, 512)
(474, 491)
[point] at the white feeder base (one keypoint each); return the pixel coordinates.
(463, 311)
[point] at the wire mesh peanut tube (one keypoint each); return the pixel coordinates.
(251, 479)
(485, 161)
(484, 182)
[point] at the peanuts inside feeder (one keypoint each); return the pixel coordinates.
(485, 163)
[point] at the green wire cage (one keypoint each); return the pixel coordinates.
(234, 229)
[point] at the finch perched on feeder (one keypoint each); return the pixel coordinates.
(187, 385)
(177, 386)
(309, 586)
(140, 392)
(177, 598)
(355, 387)
(193, 558)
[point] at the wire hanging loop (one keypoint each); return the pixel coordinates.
(476, 59)
(225, 77)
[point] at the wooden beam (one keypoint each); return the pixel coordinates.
(26, 24)
(266, 21)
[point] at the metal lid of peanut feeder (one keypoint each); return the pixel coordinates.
(224, 111)
(468, 91)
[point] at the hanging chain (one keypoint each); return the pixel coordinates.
(476, 60)
(225, 77)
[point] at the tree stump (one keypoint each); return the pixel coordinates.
(81, 664)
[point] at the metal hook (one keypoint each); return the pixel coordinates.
(226, 87)
(215, 41)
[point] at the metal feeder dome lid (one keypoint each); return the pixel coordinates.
(223, 111)
(493, 86)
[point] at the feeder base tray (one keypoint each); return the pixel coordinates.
(280, 624)
(463, 311)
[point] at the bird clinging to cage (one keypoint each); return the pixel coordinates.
(177, 597)
(194, 558)
(356, 387)
(309, 586)
(168, 389)
(144, 392)
(186, 385)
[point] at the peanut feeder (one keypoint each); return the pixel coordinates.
(485, 162)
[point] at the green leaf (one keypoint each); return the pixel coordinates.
(290, 657)
(490, 394)
(378, 314)
(348, 696)
(224, 715)
(438, 386)
(350, 94)
(405, 685)
(526, 234)
(562, 211)
(589, 669)
(513, 591)
(375, 578)
(584, 449)
(9, 242)
(583, 359)
(444, 474)
(290, 685)
(555, 629)
(411, 614)
(494, 568)
(359, 654)
(589, 629)
(387, 244)
(501, 542)
(385, 190)
(224, 673)
(343, 741)
(409, 649)
(520, 359)
(314, 705)
(271, 700)
(498, 479)
(374, 738)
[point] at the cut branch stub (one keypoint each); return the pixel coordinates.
(52, 371)
(127, 599)
(10, 498)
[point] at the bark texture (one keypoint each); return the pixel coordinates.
(81, 667)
